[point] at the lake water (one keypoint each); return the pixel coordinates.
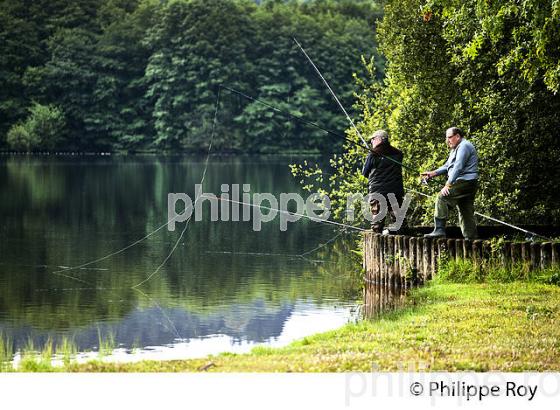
(224, 288)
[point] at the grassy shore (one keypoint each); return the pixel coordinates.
(443, 326)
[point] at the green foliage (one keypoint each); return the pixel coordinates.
(20, 139)
(106, 343)
(42, 130)
(6, 353)
(490, 68)
(144, 74)
(491, 271)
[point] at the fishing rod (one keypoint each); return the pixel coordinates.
(333, 94)
(363, 140)
(314, 124)
(528, 234)
(289, 114)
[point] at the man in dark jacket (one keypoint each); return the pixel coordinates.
(384, 174)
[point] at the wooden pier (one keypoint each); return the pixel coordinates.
(405, 261)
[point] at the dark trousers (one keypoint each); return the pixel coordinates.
(461, 196)
(375, 208)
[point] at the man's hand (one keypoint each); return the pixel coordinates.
(444, 191)
(428, 174)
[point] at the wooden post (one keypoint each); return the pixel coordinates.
(387, 261)
(467, 249)
(435, 256)
(477, 251)
(381, 259)
(387, 273)
(419, 260)
(371, 260)
(366, 252)
(382, 264)
(525, 251)
(535, 255)
(371, 255)
(412, 259)
(504, 254)
(515, 252)
(442, 248)
(365, 262)
(546, 255)
(367, 247)
(397, 253)
(402, 262)
(555, 254)
(426, 258)
(390, 260)
(526, 254)
(405, 244)
(451, 251)
(459, 249)
(486, 250)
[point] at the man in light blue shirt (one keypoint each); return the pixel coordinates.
(460, 189)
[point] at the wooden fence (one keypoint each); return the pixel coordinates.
(404, 261)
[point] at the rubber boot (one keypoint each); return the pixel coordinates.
(439, 229)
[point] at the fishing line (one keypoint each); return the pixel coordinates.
(526, 232)
(286, 255)
(73, 289)
(46, 266)
(341, 232)
(73, 278)
(367, 147)
(333, 94)
(173, 327)
(120, 250)
(196, 199)
(314, 124)
(289, 114)
(312, 218)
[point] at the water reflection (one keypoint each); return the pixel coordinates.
(58, 212)
(380, 298)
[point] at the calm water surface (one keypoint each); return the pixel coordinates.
(225, 288)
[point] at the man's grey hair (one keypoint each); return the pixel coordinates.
(382, 134)
(455, 130)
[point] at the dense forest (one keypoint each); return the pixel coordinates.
(144, 75)
(489, 67)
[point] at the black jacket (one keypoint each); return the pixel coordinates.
(385, 176)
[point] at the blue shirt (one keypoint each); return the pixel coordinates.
(461, 164)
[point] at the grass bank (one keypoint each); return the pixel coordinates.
(443, 326)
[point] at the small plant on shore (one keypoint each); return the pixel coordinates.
(33, 360)
(6, 354)
(106, 343)
(67, 351)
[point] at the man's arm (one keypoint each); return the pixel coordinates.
(368, 165)
(443, 169)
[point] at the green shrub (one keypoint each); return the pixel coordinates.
(42, 130)
(491, 271)
(20, 139)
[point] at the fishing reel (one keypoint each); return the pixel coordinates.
(530, 237)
